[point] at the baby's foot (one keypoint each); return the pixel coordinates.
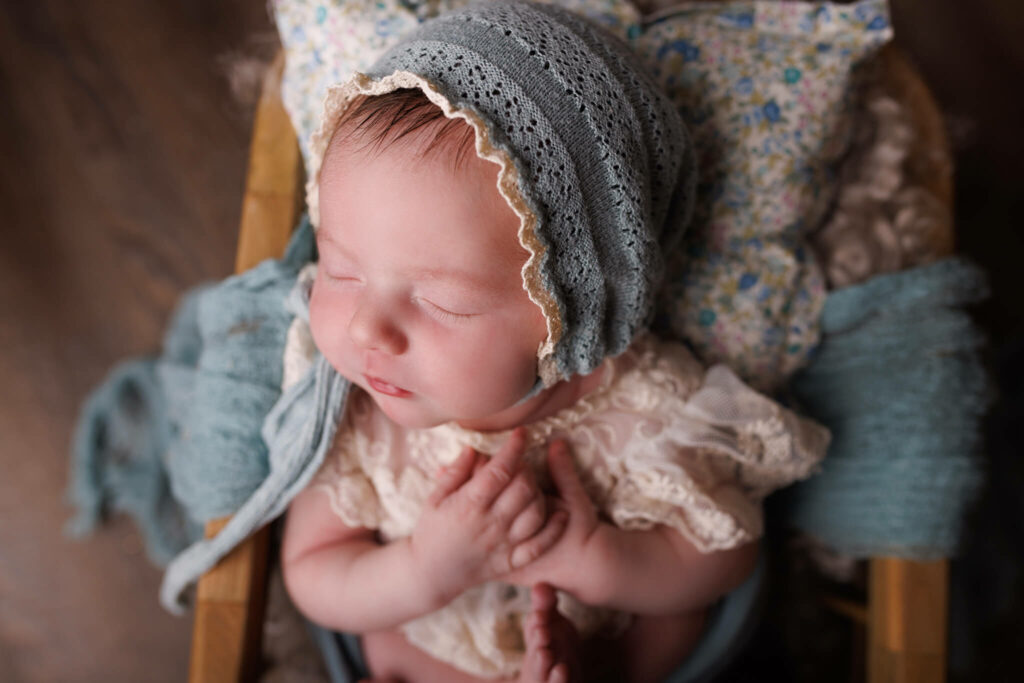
(552, 643)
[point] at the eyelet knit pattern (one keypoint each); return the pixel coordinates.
(594, 159)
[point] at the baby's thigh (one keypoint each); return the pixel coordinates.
(390, 656)
(649, 650)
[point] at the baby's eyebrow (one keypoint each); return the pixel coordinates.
(323, 237)
(468, 279)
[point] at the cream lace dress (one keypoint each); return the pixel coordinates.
(661, 441)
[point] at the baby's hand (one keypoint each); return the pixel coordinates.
(484, 519)
(560, 565)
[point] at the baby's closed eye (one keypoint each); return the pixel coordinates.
(443, 313)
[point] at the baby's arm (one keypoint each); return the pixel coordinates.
(657, 571)
(653, 572)
(482, 520)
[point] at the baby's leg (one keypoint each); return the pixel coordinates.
(551, 651)
(552, 644)
(649, 650)
(392, 658)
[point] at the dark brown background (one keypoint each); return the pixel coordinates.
(122, 157)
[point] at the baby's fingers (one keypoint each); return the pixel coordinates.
(454, 476)
(528, 521)
(489, 481)
(563, 473)
(532, 548)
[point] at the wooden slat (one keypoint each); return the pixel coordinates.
(272, 196)
(229, 613)
(230, 597)
(908, 601)
(908, 621)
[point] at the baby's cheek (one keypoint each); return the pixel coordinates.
(316, 318)
(327, 322)
(503, 367)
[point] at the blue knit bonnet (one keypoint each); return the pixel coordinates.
(594, 160)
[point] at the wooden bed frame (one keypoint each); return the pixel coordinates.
(905, 615)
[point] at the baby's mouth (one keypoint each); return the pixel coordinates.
(386, 388)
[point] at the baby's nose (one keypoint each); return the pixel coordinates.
(372, 328)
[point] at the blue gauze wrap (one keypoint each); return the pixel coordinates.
(175, 441)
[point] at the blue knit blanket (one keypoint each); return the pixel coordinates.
(898, 380)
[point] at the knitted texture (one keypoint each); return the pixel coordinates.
(594, 160)
(899, 382)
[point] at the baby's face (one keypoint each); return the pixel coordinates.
(419, 296)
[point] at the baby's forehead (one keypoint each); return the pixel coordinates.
(420, 197)
(407, 121)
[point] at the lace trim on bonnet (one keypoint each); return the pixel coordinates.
(338, 100)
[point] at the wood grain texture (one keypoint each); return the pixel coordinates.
(908, 623)
(908, 601)
(230, 598)
(228, 623)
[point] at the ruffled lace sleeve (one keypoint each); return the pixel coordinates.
(701, 452)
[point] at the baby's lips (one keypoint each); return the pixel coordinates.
(384, 387)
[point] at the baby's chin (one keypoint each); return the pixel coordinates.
(411, 412)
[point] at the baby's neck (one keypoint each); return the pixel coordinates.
(547, 402)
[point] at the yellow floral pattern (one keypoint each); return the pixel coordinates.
(765, 88)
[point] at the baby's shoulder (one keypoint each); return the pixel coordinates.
(657, 365)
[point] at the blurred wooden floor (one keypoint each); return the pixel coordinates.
(122, 155)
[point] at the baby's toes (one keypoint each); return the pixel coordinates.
(537, 666)
(539, 658)
(564, 644)
(551, 641)
(559, 673)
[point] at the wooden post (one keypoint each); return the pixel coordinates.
(908, 621)
(907, 600)
(230, 598)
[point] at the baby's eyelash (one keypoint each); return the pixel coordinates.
(445, 315)
(339, 278)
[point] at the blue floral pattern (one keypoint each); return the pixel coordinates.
(326, 41)
(765, 88)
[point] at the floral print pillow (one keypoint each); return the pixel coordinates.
(326, 41)
(765, 88)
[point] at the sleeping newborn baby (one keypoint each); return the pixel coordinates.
(525, 482)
